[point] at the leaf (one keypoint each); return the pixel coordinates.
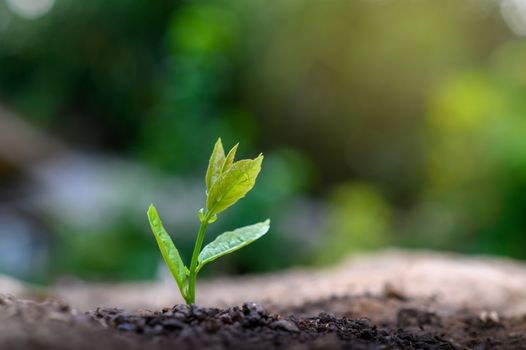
(229, 161)
(233, 184)
(168, 250)
(215, 165)
(231, 241)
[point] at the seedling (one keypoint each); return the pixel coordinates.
(226, 183)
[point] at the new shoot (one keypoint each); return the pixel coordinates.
(227, 182)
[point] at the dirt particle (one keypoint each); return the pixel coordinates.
(286, 325)
(489, 316)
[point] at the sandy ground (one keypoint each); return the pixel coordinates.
(446, 280)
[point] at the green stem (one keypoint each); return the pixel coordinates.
(190, 295)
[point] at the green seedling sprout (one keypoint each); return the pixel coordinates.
(226, 183)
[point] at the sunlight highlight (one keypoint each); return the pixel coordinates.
(30, 9)
(514, 13)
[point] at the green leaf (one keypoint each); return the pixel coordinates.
(215, 165)
(231, 241)
(233, 185)
(229, 161)
(168, 250)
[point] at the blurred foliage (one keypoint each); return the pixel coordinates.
(476, 169)
(355, 209)
(87, 69)
(383, 122)
(107, 254)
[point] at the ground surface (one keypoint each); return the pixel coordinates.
(390, 300)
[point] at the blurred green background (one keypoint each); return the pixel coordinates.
(384, 123)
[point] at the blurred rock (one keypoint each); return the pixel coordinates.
(22, 144)
(10, 286)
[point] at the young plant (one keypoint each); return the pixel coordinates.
(226, 183)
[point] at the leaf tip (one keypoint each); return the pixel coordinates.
(151, 209)
(233, 150)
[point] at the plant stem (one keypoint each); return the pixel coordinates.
(190, 295)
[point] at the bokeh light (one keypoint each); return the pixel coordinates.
(30, 9)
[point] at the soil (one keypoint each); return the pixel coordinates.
(386, 300)
(397, 322)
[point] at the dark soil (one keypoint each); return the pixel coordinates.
(250, 326)
(29, 325)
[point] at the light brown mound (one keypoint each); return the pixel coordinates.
(448, 280)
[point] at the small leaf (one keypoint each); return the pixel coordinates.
(215, 165)
(231, 241)
(212, 219)
(233, 184)
(168, 250)
(229, 161)
(202, 214)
